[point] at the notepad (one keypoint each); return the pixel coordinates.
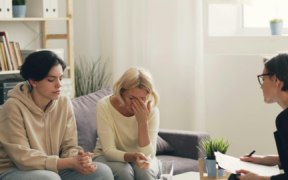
(231, 164)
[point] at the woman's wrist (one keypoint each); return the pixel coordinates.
(141, 124)
(130, 157)
(66, 163)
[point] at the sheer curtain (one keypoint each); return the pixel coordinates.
(235, 2)
(166, 38)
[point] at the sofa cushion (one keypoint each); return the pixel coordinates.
(85, 114)
(182, 165)
(163, 147)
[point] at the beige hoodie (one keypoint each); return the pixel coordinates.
(34, 139)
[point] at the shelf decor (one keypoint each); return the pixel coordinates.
(47, 36)
(276, 26)
(19, 8)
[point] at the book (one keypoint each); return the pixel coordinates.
(5, 33)
(3, 39)
(2, 53)
(14, 57)
(19, 53)
(2, 59)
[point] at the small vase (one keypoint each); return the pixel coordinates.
(19, 11)
(211, 168)
(276, 28)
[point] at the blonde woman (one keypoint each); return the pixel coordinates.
(127, 126)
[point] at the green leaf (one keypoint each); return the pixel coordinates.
(276, 20)
(90, 76)
(18, 2)
(210, 146)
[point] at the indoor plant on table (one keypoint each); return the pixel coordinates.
(276, 26)
(19, 8)
(210, 146)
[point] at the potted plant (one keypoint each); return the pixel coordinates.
(210, 146)
(276, 26)
(19, 8)
(90, 76)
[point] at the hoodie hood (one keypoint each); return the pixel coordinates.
(21, 92)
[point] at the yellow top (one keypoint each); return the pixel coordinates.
(118, 134)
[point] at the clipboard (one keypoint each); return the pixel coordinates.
(231, 164)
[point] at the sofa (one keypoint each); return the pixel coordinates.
(177, 145)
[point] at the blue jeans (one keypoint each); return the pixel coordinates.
(103, 172)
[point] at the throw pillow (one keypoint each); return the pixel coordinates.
(85, 114)
(163, 147)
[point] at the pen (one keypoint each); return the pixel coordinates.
(251, 153)
(238, 174)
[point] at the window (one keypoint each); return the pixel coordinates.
(259, 15)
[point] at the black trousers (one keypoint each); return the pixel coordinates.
(233, 177)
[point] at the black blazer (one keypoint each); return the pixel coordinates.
(281, 138)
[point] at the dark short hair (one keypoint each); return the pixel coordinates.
(38, 64)
(278, 65)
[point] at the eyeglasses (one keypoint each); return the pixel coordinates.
(261, 79)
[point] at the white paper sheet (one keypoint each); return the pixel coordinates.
(231, 164)
(149, 159)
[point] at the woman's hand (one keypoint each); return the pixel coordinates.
(140, 110)
(247, 175)
(256, 159)
(267, 160)
(141, 156)
(82, 163)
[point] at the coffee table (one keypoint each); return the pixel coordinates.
(187, 176)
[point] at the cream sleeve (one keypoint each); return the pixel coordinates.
(153, 128)
(106, 135)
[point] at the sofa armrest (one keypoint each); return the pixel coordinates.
(184, 142)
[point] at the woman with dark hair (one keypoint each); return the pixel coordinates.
(38, 134)
(274, 84)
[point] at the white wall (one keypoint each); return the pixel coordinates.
(234, 103)
(224, 20)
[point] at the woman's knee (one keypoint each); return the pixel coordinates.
(122, 170)
(45, 175)
(143, 174)
(103, 172)
(33, 174)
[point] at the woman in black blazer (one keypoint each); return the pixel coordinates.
(274, 84)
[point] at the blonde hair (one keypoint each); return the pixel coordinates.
(136, 78)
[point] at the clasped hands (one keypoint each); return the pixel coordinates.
(83, 163)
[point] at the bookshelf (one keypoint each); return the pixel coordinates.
(46, 37)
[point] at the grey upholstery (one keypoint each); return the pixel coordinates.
(184, 142)
(85, 114)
